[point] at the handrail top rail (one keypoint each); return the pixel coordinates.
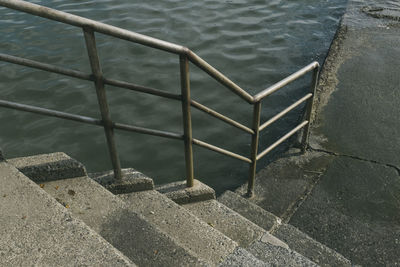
(275, 87)
(145, 40)
(64, 17)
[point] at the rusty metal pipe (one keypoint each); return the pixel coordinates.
(266, 92)
(285, 111)
(50, 112)
(282, 139)
(148, 131)
(143, 89)
(213, 72)
(220, 116)
(220, 150)
(187, 119)
(309, 110)
(45, 67)
(254, 148)
(102, 100)
(74, 20)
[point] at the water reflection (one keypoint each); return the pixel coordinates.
(255, 44)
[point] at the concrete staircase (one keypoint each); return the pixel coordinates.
(166, 226)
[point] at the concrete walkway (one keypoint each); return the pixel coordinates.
(345, 191)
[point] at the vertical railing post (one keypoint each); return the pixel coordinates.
(309, 109)
(187, 118)
(102, 100)
(254, 147)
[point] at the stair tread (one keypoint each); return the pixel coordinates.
(243, 231)
(230, 223)
(310, 247)
(126, 230)
(296, 239)
(36, 230)
(194, 234)
(243, 258)
(278, 256)
(251, 211)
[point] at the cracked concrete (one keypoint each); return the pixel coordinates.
(345, 191)
(355, 157)
(354, 206)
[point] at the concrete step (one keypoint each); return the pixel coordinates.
(296, 239)
(245, 232)
(309, 247)
(37, 231)
(45, 167)
(231, 223)
(191, 232)
(108, 215)
(243, 258)
(278, 256)
(251, 211)
(132, 181)
(179, 193)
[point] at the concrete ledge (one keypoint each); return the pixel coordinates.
(132, 181)
(179, 193)
(49, 167)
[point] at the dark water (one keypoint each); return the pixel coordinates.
(255, 43)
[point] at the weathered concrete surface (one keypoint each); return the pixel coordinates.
(243, 258)
(356, 206)
(37, 231)
(254, 213)
(293, 237)
(361, 118)
(231, 223)
(188, 230)
(352, 202)
(46, 167)
(355, 209)
(283, 184)
(178, 192)
(309, 247)
(132, 181)
(278, 256)
(120, 225)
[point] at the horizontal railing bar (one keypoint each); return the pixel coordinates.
(74, 20)
(88, 120)
(282, 139)
(221, 117)
(148, 131)
(202, 64)
(285, 111)
(142, 89)
(50, 112)
(286, 81)
(220, 150)
(45, 66)
(84, 76)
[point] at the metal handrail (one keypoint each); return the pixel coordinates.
(89, 28)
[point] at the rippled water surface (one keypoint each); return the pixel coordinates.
(254, 43)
